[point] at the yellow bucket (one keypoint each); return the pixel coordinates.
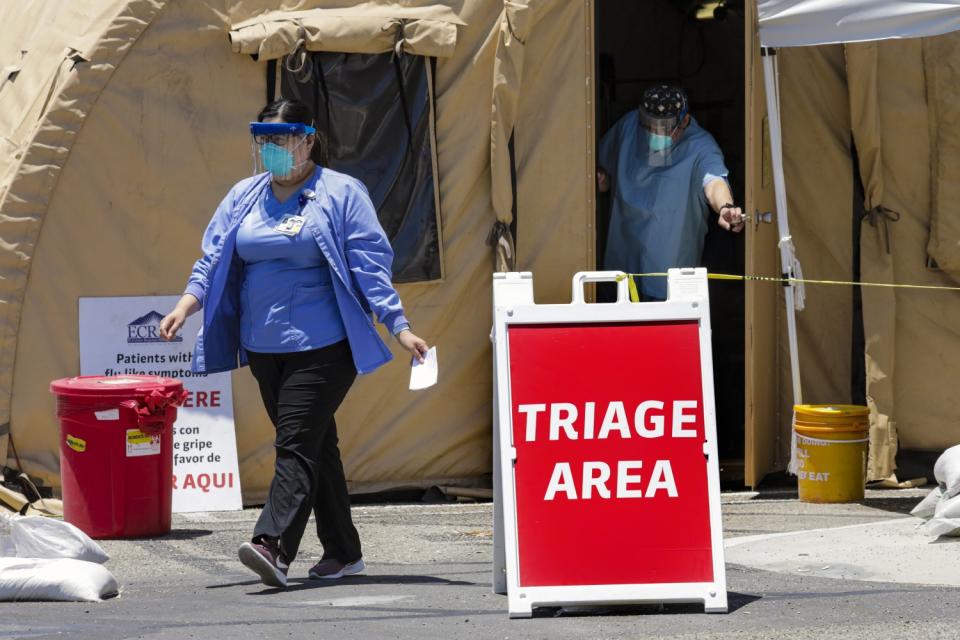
(831, 451)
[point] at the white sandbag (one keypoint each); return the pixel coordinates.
(64, 579)
(947, 471)
(948, 508)
(942, 527)
(946, 518)
(7, 548)
(42, 537)
(928, 506)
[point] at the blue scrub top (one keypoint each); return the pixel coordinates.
(287, 301)
(659, 214)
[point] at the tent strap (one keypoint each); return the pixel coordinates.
(881, 215)
(505, 253)
(401, 85)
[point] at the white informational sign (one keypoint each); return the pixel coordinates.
(120, 336)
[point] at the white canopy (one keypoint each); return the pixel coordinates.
(797, 23)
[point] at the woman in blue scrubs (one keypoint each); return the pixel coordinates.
(294, 263)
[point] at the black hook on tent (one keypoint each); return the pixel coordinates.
(504, 246)
(498, 230)
(398, 67)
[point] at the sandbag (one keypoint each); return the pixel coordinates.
(941, 507)
(947, 471)
(7, 548)
(948, 508)
(42, 537)
(946, 519)
(928, 506)
(63, 579)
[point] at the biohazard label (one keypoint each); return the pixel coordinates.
(77, 444)
(142, 444)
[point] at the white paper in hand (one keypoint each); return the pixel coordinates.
(423, 375)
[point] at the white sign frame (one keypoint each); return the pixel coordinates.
(688, 299)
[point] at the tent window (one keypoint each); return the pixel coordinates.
(376, 112)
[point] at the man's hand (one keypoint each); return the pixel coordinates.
(721, 200)
(731, 218)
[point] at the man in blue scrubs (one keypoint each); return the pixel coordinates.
(667, 175)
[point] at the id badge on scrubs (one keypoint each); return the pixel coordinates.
(290, 225)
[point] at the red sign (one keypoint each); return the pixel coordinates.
(611, 480)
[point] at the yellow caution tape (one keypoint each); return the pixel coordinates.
(635, 296)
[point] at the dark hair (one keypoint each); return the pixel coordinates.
(288, 110)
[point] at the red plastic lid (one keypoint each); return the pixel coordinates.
(113, 386)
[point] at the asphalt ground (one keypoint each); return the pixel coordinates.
(429, 576)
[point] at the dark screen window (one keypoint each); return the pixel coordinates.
(376, 112)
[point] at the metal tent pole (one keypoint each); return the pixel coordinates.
(788, 262)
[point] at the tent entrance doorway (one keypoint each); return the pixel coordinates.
(699, 46)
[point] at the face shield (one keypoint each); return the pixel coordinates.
(276, 147)
(665, 126)
(661, 114)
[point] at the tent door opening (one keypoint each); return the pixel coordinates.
(700, 47)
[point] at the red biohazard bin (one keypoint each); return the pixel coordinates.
(116, 453)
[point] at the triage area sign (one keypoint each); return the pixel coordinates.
(606, 471)
(120, 336)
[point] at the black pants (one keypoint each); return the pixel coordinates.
(301, 391)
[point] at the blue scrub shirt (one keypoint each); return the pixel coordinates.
(659, 214)
(287, 301)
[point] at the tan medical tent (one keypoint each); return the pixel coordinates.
(123, 123)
